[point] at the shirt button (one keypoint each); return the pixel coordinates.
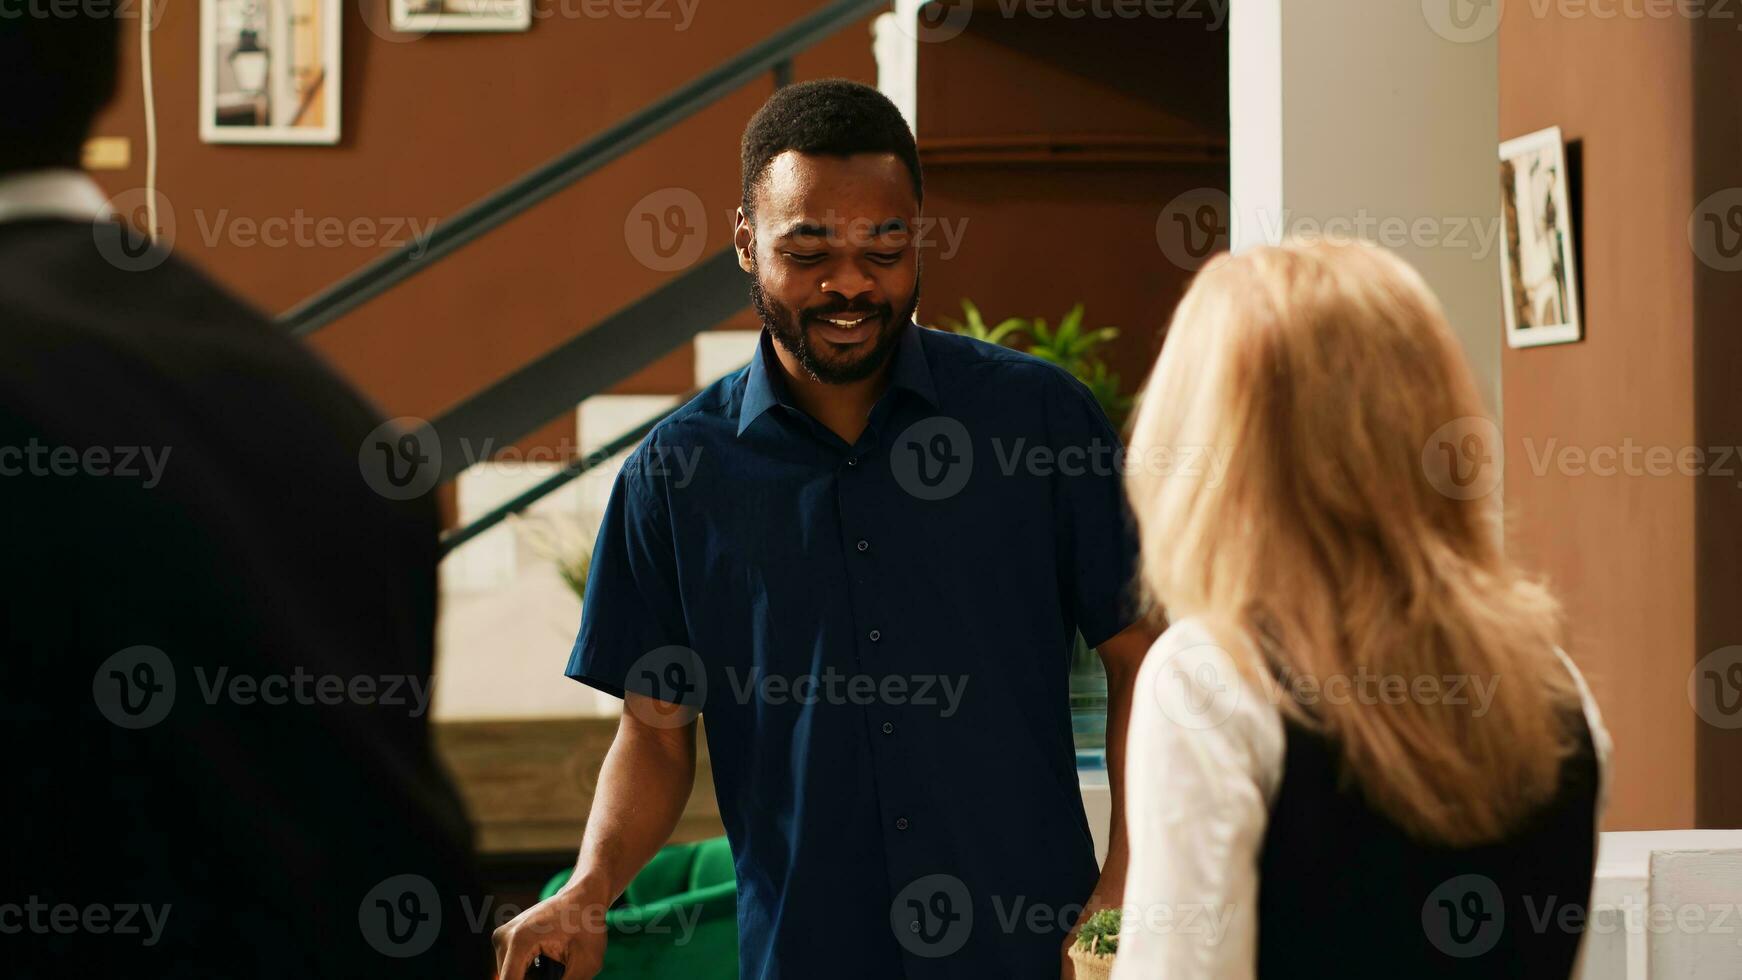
(875, 635)
(852, 461)
(900, 823)
(864, 545)
(888, 728)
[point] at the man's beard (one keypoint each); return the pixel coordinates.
(792, 332)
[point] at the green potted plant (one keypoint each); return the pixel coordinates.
(1097, 942)
(562, 541)
(1077, 350)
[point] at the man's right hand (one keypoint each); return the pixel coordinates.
(568, 927)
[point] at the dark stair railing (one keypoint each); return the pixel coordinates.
(771, 55)
(634, 336)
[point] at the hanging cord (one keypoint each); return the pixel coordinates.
(150, 122)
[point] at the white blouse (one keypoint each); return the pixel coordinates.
(1204, 756)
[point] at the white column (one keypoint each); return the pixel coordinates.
(1378, 120)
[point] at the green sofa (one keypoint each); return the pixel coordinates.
(678, 919)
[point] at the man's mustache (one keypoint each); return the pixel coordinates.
(838, 309)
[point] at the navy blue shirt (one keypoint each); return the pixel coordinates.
(879, 638)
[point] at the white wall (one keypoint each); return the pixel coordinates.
(1360, 117)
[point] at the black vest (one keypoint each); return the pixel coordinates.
(1344, 892)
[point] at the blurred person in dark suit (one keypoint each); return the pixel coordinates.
(218, 633)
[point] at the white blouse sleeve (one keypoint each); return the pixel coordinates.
(1204, 755)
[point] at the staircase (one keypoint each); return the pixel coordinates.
(508, 618)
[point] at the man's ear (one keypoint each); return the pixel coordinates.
(744, 240)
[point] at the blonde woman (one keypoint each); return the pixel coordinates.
(1358, 751)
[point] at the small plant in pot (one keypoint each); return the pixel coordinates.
(1092, 953)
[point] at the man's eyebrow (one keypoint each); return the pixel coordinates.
(810, 229)
(806, 229)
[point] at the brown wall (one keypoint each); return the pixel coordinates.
(1059, 143)
(1717, 407)
(432, 124)
(1622, 550)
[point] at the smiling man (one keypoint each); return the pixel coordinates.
(874, 616)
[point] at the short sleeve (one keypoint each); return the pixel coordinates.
(633, 608)
(1097, 537)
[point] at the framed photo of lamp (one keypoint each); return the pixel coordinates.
(460, 15)
(1538, 260)
(269, 71)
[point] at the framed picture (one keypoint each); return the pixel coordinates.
(269, 71)
(461, 15)
(1538, 264)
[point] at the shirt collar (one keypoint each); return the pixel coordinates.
(55, 193)
(764, 388)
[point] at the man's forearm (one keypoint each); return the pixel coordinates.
(1121, 656)
(643, 787)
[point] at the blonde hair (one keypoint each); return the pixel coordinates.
(1318, 374)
